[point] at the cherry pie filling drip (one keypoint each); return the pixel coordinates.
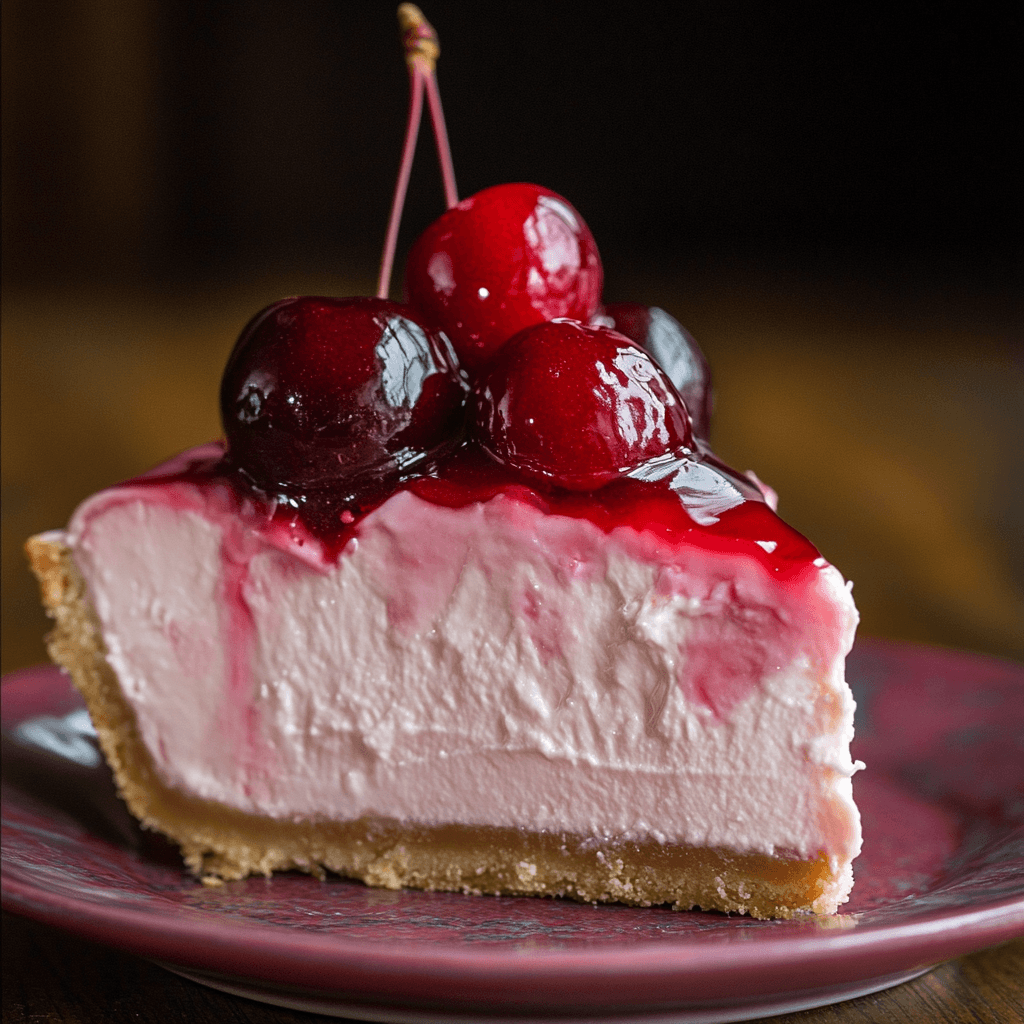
(725, 514)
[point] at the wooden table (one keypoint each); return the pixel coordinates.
(889, 424)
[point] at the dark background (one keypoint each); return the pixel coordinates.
(828, 195)
(174, 139)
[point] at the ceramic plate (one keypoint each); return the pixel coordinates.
(942, 874)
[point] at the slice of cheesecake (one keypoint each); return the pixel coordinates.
(474, 687)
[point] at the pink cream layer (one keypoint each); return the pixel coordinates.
(661, 658)
(649, 521)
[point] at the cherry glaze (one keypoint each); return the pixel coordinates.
(577, 406)
(674, 350)
(655, 507)
(337, 396)
(506, 258)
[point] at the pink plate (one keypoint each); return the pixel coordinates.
(942, 874)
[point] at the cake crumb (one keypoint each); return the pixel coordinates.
(525, 870)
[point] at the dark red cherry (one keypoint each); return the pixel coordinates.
(577, 406)
(337, 394)
(674, 350)
(506, 258)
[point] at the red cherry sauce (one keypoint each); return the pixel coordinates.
(469, 475)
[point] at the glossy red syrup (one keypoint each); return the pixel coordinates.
(654, 508)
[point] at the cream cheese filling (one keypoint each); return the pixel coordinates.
(489, 665)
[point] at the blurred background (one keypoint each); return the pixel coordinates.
(828, 196)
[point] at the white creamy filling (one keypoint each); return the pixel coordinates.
(489, 665)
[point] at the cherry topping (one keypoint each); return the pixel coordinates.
(577, 406)
(674, 350)
(504, 259)
(338, 394)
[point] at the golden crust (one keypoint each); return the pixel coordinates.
(218, 842)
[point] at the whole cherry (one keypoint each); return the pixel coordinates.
(506, 258)
(323, 394)
(674, 350)
(577, 406)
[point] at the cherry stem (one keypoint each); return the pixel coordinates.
(444, 153)
(412, 129)
(421, 52)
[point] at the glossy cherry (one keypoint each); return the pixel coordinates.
(337, 394)
(504, 259)
(577, 406)
(674, 350)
